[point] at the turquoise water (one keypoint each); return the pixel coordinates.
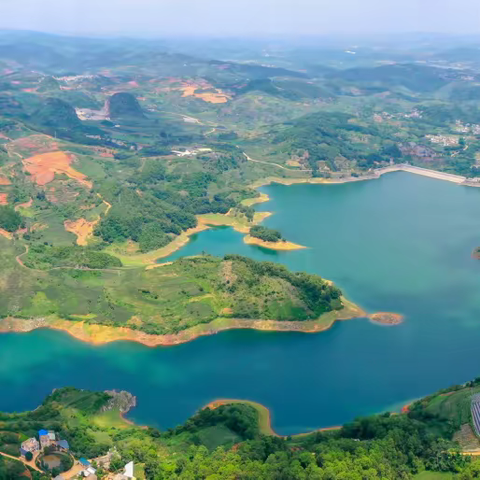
(401, 243)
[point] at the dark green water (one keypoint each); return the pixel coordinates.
(401, 244)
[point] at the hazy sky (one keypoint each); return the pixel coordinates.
(240, 17)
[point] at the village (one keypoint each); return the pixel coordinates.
(50, 454)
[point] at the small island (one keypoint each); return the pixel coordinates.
(476, 253)
(269, 238)
(386, 318)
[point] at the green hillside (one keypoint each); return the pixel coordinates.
(56, 113)
(163, 300)
(229, 442)
(123, 105)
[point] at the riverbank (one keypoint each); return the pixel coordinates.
(280, 245)
(102, 334)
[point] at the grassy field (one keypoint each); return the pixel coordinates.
(110, 419)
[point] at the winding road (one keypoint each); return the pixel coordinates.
(21, 459)
(277, 165)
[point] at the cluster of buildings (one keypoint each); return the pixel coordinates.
(46, 438)
(444, 140)
(467, 127)
(89, 472)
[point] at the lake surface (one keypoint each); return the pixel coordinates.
(402, 243)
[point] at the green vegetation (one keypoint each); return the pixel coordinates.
(46, 256)
(227, 442)
(56, 113)
(167, 299)
(10, 220)
(170, 156)
(123, 104)
(266, 234)
(167, 155)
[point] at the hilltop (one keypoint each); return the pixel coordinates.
(123, 104)
(56, 113)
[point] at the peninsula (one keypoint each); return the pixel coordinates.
(173, 304)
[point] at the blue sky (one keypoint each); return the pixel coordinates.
(240, 17)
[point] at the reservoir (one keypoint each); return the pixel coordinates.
(401, 243)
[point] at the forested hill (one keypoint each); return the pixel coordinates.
(234, 441)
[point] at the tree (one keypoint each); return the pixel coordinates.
(266, 234)
(10, 220)
(29, 456)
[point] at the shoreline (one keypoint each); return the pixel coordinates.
(205, 222)
(101, 334)
(386, 318)
(280, 245)
(265, 418)
(208, 220)
(375, 174)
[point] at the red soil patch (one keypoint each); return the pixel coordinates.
(215, 96)
(5, 234)
(81, 228)
(5, 181)
(44, 167)
(3, 198)
(25, 205)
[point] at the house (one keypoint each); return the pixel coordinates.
(127, 473)
(46, 437)
(128, 470)
(63, 445)
(30, 445)
(89, 473)
(84, 462)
